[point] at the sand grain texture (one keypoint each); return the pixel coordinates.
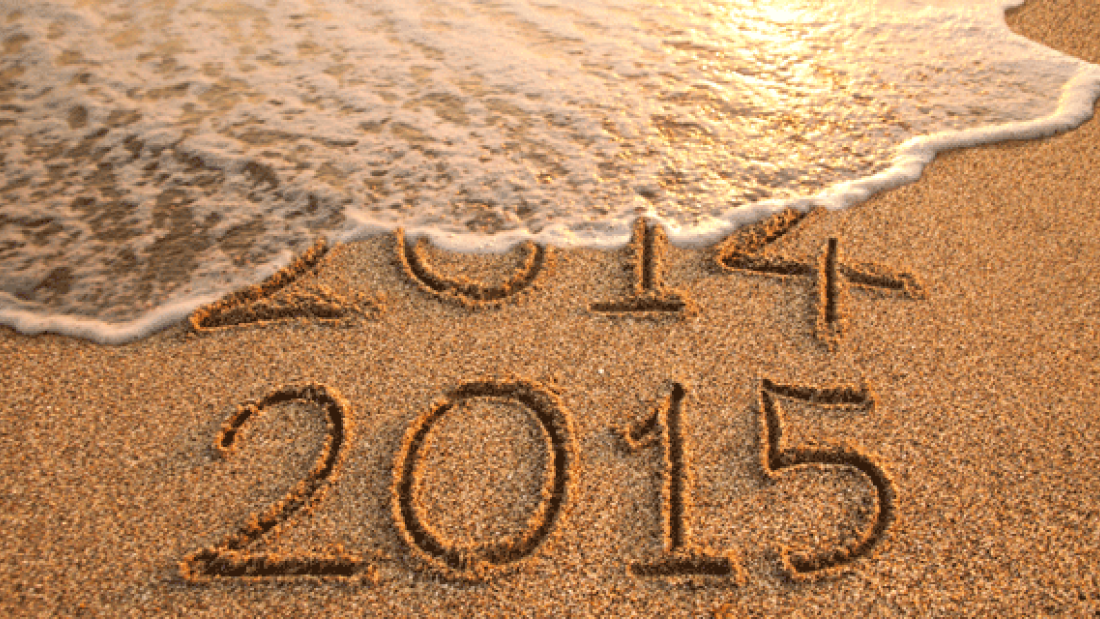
(984, 420)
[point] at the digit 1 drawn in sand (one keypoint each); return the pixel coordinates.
(775, 459)
(751, 250)
(681, 557)
(228, 558)
(830, 323)
(650, 297)
(482, 561)
(461, 290)
(270, 300)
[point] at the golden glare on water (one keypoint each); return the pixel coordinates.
(246, 126)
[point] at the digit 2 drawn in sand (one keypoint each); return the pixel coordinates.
(749, 251)
(228, 558)
(649, 297)
(681, 557)
(777, 460)
(478, 562)
(270, 300)
(462, 290)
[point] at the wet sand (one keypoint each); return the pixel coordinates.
(885, 410)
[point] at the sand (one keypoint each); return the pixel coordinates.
(883, 411)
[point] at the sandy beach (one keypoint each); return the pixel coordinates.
(888, 410)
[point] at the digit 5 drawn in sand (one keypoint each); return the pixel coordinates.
(270, 300)
(649, 297)
(481, 561)
(681, 557)
(749, 251)
(462, 290)
(228, 558)
(777, 460)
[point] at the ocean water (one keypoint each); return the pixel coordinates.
(158, 153)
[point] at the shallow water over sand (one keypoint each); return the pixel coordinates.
(158, 153)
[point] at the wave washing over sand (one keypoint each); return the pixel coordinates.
(157, 154)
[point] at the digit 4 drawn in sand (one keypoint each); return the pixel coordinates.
(776, 460)
(681, 557)
(750, 251)
(229, 558)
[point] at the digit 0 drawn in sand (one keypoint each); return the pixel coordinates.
(681, 557)
(460, 289)
(649, 297)
(776, 460)
(751, 250)
(478, 562)
(229, 558)
(272, 299)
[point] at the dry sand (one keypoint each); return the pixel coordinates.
(943, 434)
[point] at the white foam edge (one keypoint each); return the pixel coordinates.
(100, 331)
(1075, 107)
(110, 333)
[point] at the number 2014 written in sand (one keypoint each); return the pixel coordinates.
(660, 432)
(748, 252)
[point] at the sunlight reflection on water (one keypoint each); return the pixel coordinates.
(155, 151)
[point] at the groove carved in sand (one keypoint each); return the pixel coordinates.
(478, 562)
(649, 296)
(777, 460)
(272, 299)
(752, 250)
(411, 258)
(681, 557)
(230, 558)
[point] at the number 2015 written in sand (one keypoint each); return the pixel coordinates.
(659, 433)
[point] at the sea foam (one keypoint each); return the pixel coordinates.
(157, 155)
